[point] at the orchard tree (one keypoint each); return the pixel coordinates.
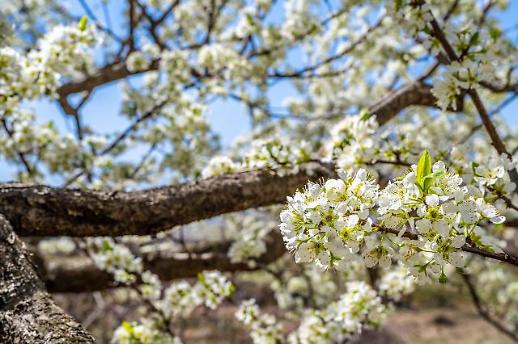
(376, 161)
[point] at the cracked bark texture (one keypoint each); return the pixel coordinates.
(36, 210)
(27, 312)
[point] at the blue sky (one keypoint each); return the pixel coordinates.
(227, 118)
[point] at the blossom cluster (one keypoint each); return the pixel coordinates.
(274, 153)
(459, 76)
(64, 52)
(296, 290)
(327, 222)
(358, 308)
(179, 299)
(145, 332)
(423, 218)
(354, 141)
(264, 328)
(116, 259)
(477, 49)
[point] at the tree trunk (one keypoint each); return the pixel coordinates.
(27, 312)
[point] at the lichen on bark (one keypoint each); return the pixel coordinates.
(27, 312)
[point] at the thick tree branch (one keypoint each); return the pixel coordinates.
(41, 210)
(27, 312)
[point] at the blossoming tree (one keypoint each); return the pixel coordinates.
(387, 167)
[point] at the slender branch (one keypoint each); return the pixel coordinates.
(329, 60)
(505, 257)
(483, 312)
(496, 141)
(21, 155)
(500, 107)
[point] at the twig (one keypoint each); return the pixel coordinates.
(483, 312)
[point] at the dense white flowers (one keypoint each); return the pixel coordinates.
(137, 61)
(459, 76)
(423, 218)
(353, 141)
(358, 308)
(212, 287)
(116, 259)
(328, 223)
(62, 52)
(276, 154)
(179, 300)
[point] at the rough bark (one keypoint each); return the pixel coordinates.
(27, 312)
(79, 273)
(40, 210)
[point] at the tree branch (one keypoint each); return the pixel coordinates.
(496, 141)
(393, 103)
(483, 312)
(79, 273)
(38, 210)
(505, 257)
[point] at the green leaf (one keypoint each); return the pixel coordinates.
(424, 168)
(443, 278)
(474, 39)
(201, 277)
(495, 33)
(106, 246)
(128, 327)
(365, 115)
(82, 23)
